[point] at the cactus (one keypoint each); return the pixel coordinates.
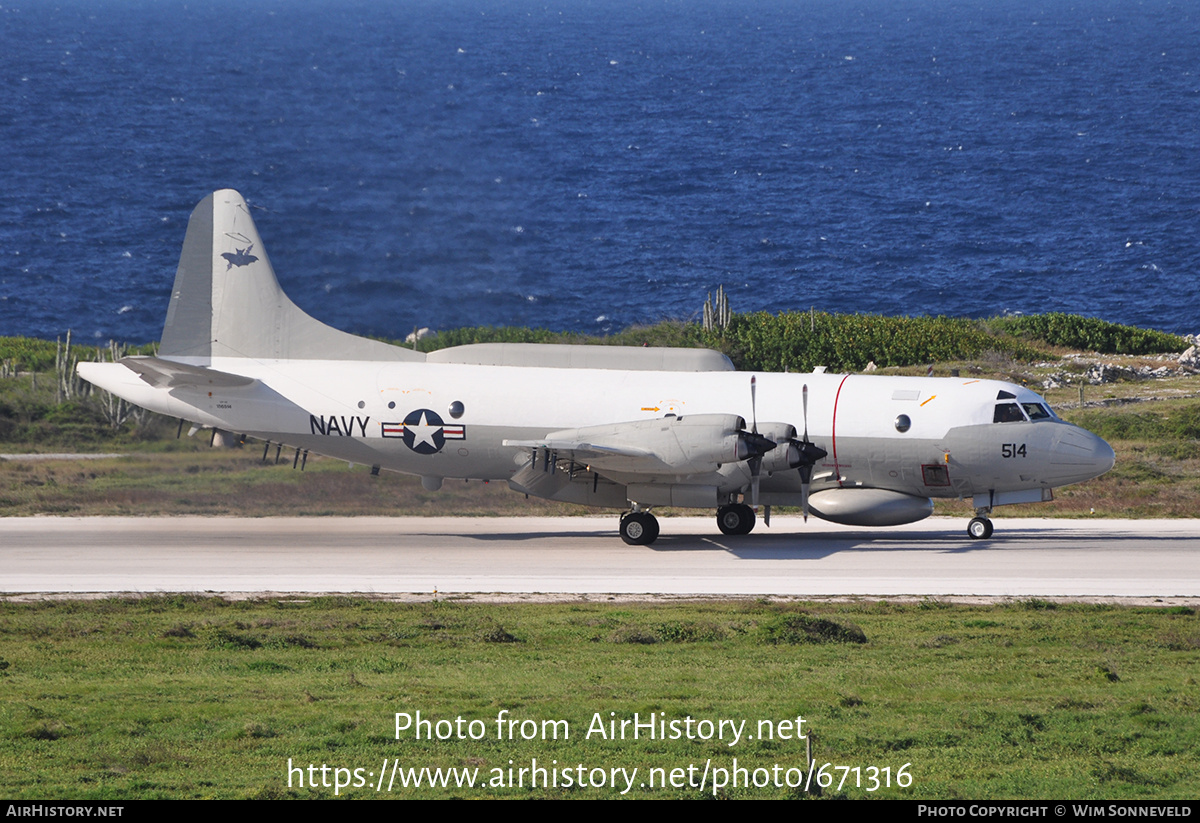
(717, 314)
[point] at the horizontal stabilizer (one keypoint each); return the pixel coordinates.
(166, 374)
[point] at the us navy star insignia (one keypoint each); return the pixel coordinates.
(423, 431)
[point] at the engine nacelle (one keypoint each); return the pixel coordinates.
(869, 507)
(786, 454)
(678, 446)
(705, 441)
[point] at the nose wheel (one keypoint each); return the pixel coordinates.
(980, 528)
(639, 528)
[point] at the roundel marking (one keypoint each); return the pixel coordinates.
(423, 432)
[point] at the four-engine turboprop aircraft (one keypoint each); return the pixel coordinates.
(630, 428)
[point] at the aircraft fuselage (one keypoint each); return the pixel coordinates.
(357, 411)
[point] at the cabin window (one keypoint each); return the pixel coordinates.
(1008, 413)
(903, 423)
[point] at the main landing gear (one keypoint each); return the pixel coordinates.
(639, 528)
(736, 518)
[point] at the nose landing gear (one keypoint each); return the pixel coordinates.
(980, 528)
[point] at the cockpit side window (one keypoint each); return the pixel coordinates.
(1036, 411)
(1008, 413)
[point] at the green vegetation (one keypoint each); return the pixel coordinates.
(799, 341)
(795, 341)
(183, 696)
(845, 342)
(1088, 334)
(1167, 421)
(26, 354)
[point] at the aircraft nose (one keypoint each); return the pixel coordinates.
(1079, 455)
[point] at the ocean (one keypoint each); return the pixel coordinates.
(593, 165)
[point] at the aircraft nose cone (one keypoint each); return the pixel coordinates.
(1080, 455)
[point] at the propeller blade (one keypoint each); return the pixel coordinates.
(805, 479)
(755, 468)
(756, 444)
(810, 453)
(753, 404)
(804, 397)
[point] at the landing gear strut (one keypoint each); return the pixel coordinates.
(736, 518)
(980, 528)
(639, 528)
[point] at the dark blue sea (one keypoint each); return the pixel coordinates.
(591, 165)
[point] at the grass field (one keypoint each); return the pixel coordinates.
(187, 697)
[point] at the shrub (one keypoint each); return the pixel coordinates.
(795, 629)
(1074, 331)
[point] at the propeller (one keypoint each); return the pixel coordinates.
(810, 453)
(803, 454)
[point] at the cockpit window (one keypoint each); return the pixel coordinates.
(1036, 411)
(1008, 413)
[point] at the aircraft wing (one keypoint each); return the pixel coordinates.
(693, 444)
(167, 374)
(582, 451)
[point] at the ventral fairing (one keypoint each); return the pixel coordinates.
(610, 426)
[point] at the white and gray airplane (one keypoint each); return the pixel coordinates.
(621, 427)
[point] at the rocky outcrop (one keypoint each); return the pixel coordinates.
(1098, 374)
(1190, 359)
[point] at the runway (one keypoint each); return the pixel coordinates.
(584, 555)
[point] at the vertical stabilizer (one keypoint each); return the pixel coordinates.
(226, 301)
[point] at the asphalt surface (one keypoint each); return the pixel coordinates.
(1105, 559)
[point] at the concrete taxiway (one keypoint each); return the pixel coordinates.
(1026, 557)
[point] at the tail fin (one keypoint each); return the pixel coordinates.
(226, 301)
